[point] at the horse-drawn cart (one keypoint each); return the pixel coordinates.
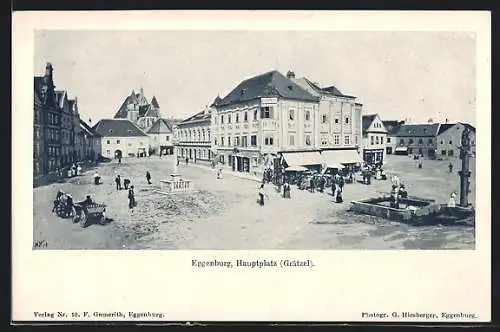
(87, 212)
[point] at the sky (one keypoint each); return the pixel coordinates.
(398, 75)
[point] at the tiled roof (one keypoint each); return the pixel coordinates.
(216, 101)
(367, 121)
(418, 130)
(270, 84)
(122, 111)
(154, 102)
(161, 126)
(117, 128)
(153, 112)
(87, 128)
(392, 126)
(198, 117)
(445, 126)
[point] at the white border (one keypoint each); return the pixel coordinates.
(342, 284)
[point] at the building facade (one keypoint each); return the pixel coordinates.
(46, 125)
(161, 137)
(260, 119)
(137, 109)
(67, 128)
(392, 127)
(449, 140)
(374, 139)
(418, 139)
(194, 137)
(121, 139)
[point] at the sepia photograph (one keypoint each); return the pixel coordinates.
(254, 140)
(258, 166)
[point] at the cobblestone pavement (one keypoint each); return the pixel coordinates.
(223, 213)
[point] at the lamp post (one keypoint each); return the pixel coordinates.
(465, 173)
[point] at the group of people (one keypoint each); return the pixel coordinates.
(398, 192)
(74, 170)
(369, 170)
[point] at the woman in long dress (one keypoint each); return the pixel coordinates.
(451, 201)
(262, 195)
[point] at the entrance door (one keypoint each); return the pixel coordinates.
(118, 153)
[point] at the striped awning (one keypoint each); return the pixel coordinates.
(333, 158)
(308, 158)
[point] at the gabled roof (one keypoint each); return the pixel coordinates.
(154, 102)
(270, 84)
(86, 128)
(445, 126)
(392, 126)
(367, 121)
(418, 130)
(161, 126)
(122, 111)
(117, 128)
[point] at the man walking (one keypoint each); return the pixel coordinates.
(450, 167)
(118, 182)
(148, 177)
(131, 199)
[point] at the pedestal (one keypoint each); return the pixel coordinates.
(176, 184)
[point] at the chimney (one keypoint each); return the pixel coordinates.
(446, 120)
(290, 74)
(48, 75)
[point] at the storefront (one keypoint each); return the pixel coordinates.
(309, 159)
(401, 150)
(336, 158)
(373, 156)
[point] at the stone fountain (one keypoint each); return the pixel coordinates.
(176, 184)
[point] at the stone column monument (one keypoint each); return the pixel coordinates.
(465, 173)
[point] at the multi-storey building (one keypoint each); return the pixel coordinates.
(121, 138)
(418, 139)
(374, 139)
(449, 140)
(139, 110)
(194, 137)
(262, 118)
(46, 126)
(392, 127)
(67, 128)
(338, 130)
(161, 137)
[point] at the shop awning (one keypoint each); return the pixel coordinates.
(401, 149)
(302, 158)
(333, 158)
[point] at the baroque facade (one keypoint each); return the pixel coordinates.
(194, 137)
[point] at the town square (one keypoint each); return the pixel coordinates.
(274, 158)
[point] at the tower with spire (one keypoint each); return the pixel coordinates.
(138, 109)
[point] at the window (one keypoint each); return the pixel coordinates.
(266, 112)
(410, 141)
(255, 115)
(336, 139)
(388, 140)
(324, 142)
(420, 141)
(430, 141)
(355, 139)
(215, 141)
(376, 140)
(237, 141)
(129, 144)
(117, 141)
(347, 140)
(347, 120)
(222, 119)
(419, 150)
(450, 142)
(237, 117)
(372, 140)
(450, 153)
(324, 118)
(244, 141)
(229, 141)
(167, 138)
(308, 115)
(108, 152)
(268, 141)
(291, 114)
(381, 139)
(336, 120)
(245, 116)
(253, 140)
(292, 140)
(222, 141)
(442, 142)
(107, 142)
(401, 141)
(443, 152)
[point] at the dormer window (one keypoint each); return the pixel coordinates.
(111, 130)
